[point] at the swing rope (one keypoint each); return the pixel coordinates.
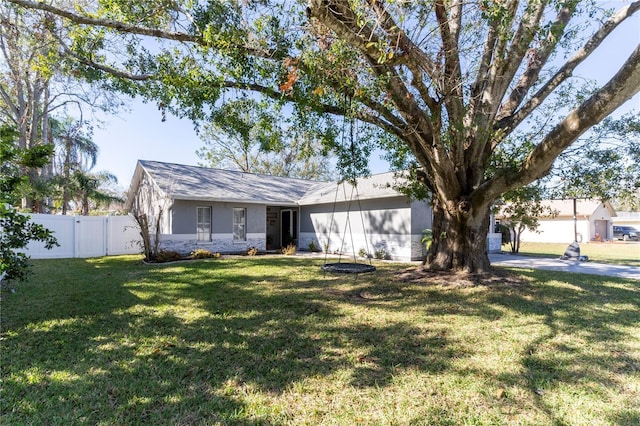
(354, 267)
(347, 224)
(333, 213)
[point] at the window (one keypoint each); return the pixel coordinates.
(204, 224)
(239, 228)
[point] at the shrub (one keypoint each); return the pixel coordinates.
(313, 247)
(168, 256)
(381, 254)
(204, 254)
(427, 238)
(289, 249)
(363, 253)
(252, 251)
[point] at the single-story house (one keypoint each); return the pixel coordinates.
(232, 211)
(593, 220)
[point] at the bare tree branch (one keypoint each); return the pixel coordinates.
(622, 87)
(566, 71)
(539, 59)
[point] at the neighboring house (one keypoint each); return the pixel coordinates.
(593, 219)
(627, 219)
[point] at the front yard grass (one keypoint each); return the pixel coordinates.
(621, 253)
(272, 340)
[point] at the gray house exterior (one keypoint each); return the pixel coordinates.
(370, 216)
(231, 211)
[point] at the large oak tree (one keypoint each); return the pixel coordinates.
(451, 85)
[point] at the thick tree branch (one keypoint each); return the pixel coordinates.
(418, 82)
(452, 71)
(337, 15)
(512, 60)
(539, 59)
(511, 122)
(102, 67)
(481, 81)
(622, 87)
(412, 55)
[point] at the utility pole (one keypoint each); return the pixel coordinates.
(575, 221)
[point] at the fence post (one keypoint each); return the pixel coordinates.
(76, 236)
(107, 232)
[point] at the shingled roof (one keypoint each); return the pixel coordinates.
(183, 182)
(375, 186)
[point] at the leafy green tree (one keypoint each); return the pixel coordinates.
(440, 85)
(76, 152)
(244, 136)
(38, 83)
(521, 209)
(86, 190)
(16, 231)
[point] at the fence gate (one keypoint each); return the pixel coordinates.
(92, 241)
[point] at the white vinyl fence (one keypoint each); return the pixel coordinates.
(87, 236)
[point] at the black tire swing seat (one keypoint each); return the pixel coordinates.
(348, 268)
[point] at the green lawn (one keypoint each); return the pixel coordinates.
(623, 253)
(271, 340)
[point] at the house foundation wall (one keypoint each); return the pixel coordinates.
(221, 243)
(494, 242)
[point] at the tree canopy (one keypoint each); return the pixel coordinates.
(40, 94)
(244, 136)
(17, 230)
(473, 98)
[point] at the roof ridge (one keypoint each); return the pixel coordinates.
(217, 169)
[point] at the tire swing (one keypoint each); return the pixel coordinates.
(347, 267)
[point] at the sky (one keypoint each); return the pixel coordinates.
(140, 133)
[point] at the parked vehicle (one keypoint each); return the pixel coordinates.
(625, 233)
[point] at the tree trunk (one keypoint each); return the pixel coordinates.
(66, 173)
(85, 204)
(459, 241)
(144, 233)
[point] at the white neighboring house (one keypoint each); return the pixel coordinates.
(627, 219)
(594, 219)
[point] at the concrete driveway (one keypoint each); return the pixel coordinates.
(575, 266)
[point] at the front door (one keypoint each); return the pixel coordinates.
(289, 227)
(601, 227)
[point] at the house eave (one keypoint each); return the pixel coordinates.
(315, 201)
(284, 203)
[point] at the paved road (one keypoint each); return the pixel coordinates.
(571, 265)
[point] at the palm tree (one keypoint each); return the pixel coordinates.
(86, 187)
(76, 152)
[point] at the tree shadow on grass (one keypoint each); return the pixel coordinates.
(584, 343)
(182, 342)
(187, 343)
(588, 342)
